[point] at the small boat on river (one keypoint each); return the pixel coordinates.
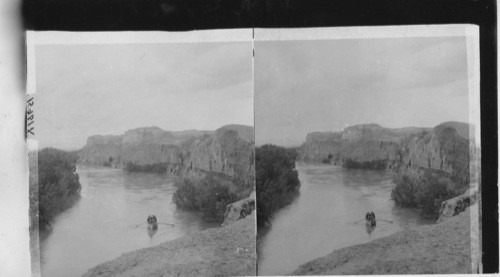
(370, 219)
(152, 222)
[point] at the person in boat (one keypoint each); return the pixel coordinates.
(152, 222)
(370, 219)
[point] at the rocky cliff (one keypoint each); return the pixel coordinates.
(228, 151)
(446, 149)
(365, 145)
(101, 151)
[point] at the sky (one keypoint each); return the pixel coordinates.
(91, 89)
(327, 85)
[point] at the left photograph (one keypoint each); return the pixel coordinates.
(141, 154)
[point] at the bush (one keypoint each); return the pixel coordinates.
(58, 184)
(376, 165)
(404, 193)
(277, 181)
(425, 193)
(210, 196)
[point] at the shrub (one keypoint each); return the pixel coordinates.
(425, 193)
(58, 184)
(277, 182)
(210, 196)
(376, 164)
(404, 193)
(157, 168)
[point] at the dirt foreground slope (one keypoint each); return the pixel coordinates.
(440, 248)
(225, 251)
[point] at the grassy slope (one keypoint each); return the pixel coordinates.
(440, 248)
(211, 252)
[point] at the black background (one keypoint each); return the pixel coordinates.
(181, 15)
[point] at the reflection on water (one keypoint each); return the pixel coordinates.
(152, 232)
(110, 219)
(323, 217)
(370, 228)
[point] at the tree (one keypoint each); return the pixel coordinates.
(277, 180)
(58, 183)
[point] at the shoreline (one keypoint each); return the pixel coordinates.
(443, 248)
(227, 251)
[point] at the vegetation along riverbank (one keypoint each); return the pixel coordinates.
(57, 187)
(277, 181)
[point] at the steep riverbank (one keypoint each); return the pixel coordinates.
(442, 248)
(224, 251)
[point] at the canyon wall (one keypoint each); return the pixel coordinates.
(101, 151)
(445, 148)
(365, 145)
(226, 152)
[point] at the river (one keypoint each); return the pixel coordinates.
(103, 223)
(322, 217)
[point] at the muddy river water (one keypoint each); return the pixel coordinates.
(103, 224)
(322, 217)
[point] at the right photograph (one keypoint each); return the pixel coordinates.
(367, 150)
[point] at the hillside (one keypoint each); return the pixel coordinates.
(224, 251)
(443, 248)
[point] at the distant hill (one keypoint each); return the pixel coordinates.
(245, 132)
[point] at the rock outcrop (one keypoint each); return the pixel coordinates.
(152, 146)
(459, 204)
(102, 151)
(365, 145)
(240, 209)
(227, 152)
(446, 148)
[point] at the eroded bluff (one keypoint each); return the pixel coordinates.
(446, 149)
(360, 146)
(228, 151)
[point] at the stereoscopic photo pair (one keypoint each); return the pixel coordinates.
(247, 152)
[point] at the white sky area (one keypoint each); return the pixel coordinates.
(84, 90)
(326, 85)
